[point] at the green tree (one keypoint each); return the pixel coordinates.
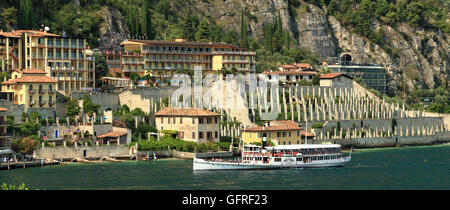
(9, 16)
(382, 8)
(24, 146)
(204, 31)
(29, 128)
(146, 21)
(164, 7)
(25, 9)
(101, 68)
(89, 106)
(72, 108)
(243, 37)
(189, 27)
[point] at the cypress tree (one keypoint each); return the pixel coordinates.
(268, 38)
(243, 37)
(131, 22)
(25, 14)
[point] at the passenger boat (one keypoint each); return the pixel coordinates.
(279, 157)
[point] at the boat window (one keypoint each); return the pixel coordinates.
(277, 159)
(299, 159)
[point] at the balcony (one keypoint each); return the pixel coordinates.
(51, 103)
(41, 91)
(41, 103)
(51, 91)
(32, 103)
(32, 91)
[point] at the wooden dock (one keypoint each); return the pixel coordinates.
(24, 164)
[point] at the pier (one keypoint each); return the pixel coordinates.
(24, 164)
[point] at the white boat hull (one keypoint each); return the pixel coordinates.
(202, 165)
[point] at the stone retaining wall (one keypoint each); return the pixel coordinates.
(73, 152)
(438, 137)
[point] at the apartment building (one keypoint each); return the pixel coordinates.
(165, 58)
(67, 60)
(32, 88)
(192, 124)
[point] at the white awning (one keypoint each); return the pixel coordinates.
(6, 151)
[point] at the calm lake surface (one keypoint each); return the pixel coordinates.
(422, 167)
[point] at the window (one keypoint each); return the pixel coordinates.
(208, 120)
(168, 120)
(215, 120)
(216, 134)
(200, 135)
(278, 134)
(193, 120)
(174, 122)
(162, 120)
(200, 120)
(181, 120)
(193, 135)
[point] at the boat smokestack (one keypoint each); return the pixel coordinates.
(264, 142)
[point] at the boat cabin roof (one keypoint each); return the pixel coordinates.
(304, 146)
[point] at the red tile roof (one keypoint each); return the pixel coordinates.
(30, 71)
(112, 134)
(292, 72)
(333, 75)
(278, 125)
(31, 79)
(185, 112)
(33, 71)
(18, 33)
(302, 65)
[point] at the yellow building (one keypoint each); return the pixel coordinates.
(280, 132)
(69, 61)
(32, 88)
(192, 124)
(167, 57)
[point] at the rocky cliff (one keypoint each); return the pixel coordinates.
(418, 58)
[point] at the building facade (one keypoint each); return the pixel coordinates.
(165, 58)
(32, 88)
(67, 60)
(192, 124)
(280, 132)
(373, 76)
(336, 80)
(3, 136)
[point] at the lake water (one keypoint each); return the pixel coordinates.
(422, 167)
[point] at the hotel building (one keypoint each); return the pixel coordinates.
(67, 60)
(31, 88)
(165, 58)
(192, 124)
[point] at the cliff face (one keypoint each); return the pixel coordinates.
(113, 30)
(420, 59)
